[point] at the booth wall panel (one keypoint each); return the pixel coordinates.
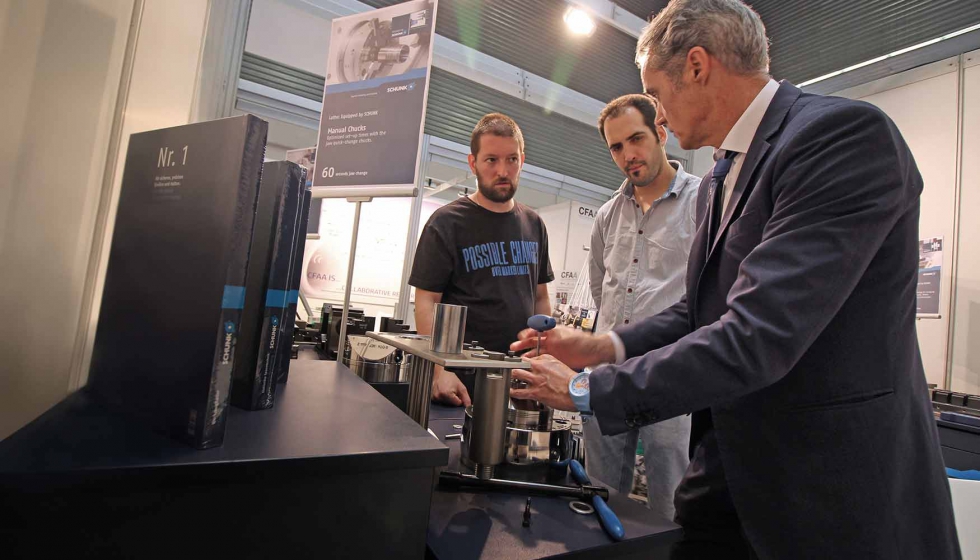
(966, 325)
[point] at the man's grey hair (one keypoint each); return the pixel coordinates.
(727, 29)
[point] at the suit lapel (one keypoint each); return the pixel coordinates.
(755, 154)
(772, 122)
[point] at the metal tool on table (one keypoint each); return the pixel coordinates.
(459, 480)
(541, 323)
(607, 518)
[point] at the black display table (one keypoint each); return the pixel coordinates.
(487, 525)
(960, 444)
(334, 470)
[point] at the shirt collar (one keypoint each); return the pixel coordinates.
(740, 136)
(627, 188)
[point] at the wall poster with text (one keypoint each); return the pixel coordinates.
(930, 277)
(374, 97)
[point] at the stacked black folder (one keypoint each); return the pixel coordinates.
(202, 280)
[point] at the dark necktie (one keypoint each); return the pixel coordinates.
(718, 174)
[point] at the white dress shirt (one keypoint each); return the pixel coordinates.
(738, 140)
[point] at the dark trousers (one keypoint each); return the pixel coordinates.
(705, 510)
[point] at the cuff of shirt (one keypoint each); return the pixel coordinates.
(619, 346)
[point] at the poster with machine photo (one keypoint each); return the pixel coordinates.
(374, 97)
(927, 301)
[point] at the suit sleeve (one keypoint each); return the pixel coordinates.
(839, 186)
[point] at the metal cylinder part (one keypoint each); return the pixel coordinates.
(395, 55)
(420, 390)
(374, 361)
(448, 328)
(530, 446)
(488, 423)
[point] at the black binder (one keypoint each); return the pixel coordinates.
(175, 282)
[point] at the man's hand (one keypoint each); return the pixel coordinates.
(575, 348)
(547, 383)
(448, 389)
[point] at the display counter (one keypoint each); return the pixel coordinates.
(960, 445)
(333, 470)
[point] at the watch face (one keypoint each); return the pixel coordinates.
(580, 384)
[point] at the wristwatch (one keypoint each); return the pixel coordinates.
(578, 388)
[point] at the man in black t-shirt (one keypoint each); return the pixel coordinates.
(484, 251)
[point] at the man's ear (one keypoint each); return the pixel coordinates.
(698, 64)
(472, 161)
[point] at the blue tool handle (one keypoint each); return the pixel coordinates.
(608, 519)
(578, 472)
(541, 323)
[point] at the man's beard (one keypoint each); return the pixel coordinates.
(648, 177)
(497, 192)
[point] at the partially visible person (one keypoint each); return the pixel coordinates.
(484, 251)
(794, 345)
(637, 262)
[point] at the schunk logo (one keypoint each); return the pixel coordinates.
(406, 87)
(226, 349)
(583, 211)
(275, 328)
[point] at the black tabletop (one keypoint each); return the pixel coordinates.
(325, 416)
(480, 524)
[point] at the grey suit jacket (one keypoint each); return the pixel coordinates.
(796, 340)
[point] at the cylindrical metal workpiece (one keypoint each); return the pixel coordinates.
(448, 328)
(371, 360)
(394, 55)
(420, 390)
(486, 445)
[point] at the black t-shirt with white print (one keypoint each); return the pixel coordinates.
(488, 261)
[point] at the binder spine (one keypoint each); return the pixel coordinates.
(212, 426)
(272, 322)
(296, 270)
(233, 298)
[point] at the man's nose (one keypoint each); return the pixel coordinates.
(661, 119)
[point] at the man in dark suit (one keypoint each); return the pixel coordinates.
(795, 345)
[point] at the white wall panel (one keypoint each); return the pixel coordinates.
(966, 320)
(60, 62)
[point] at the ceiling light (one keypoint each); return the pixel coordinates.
(579, 22)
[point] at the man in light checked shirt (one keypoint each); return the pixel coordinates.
(638, 258)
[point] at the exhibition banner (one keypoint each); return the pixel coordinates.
(374, 98)
(930, 277)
